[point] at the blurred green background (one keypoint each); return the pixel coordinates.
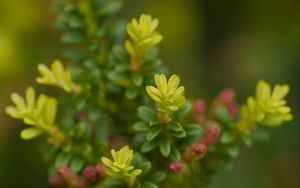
(210, 44)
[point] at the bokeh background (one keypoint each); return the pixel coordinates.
(210, 44)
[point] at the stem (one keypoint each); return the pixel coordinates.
(131, 181)
(164, 117)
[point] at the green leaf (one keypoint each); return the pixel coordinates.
(62, 159)
(148, 146)
(193, 129)
(193, 132)
(233, 150)
(49, 151)
(175, 154)
(189, 139)
(151, 64)
(165, 147)
(75, 53)
(141, 126)
(146, 114)
(30, 133)
(137, 80)
(180, 134)
(149, 185)
(155, 122)
(110, 9)
(247, 140)
(180, 113)
(153, 132)
(114, 182)
(175, 126)
(77, 164)
(227, 137)
(75, 21)
(50, 111)
(73, 38)
(114, 75)
(157, 176)
(223, 114)
(146, 167)
(131, 93)
(122, 67)
(137, 159)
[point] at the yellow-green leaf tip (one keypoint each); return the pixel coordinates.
(120, 166)
(167, 94)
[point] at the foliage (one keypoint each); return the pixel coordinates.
(176, 142)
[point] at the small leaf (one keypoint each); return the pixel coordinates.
(62, 159)
(149, 185)
(30, 133)
(73, 38)
(180, 134)
(115, 182)
(75, 53)
(157, 176)
(49, 151)
(131, 93)
(155, 122)
(137, 80)
(223, 114)
(140, 126)
(193, 129)
(12, 111)
(165, 147)
(179, 114)
(247, 140)
(148, 146)
(110, 9)
(227, 137)
(122, 67)
(233, 150)
(77, 164)
(146, 167)
(50, 111)
(114, 75)
(175, 154)
(153, 132)
(175, 126)
(146, 113)
(136, 172)
(189, 139)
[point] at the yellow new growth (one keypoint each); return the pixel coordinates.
(142, 35)
(56, 76)
(120, 166)
(40, 113)
(167, 95)
(268, 107)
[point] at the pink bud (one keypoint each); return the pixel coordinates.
(200, 148)
(90, 173)
(65, 171)
(233, 108)
(211, 134)
(226, 96)
(72, 179)
(100, 169)
(176, 166)
(55, 180)
(199, 109)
